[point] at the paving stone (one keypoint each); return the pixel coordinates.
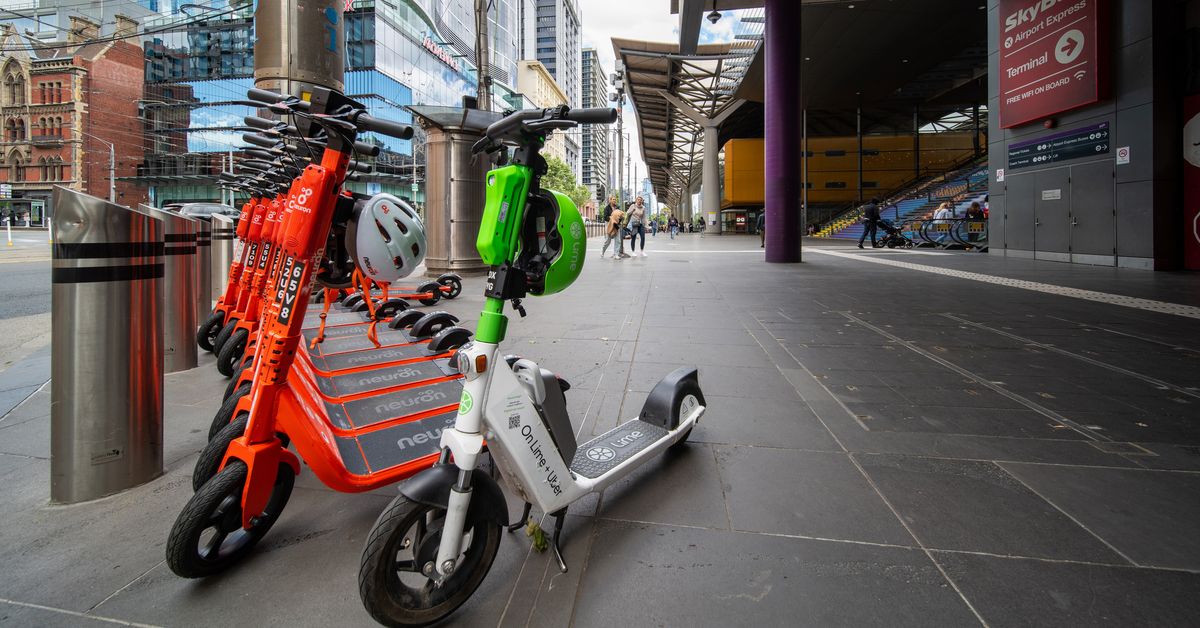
(763, 422)
(824, 495)
(1150, 516)
(682, 487)
(947, 420)
(977, 506)
(1017, 592)
(636, 575)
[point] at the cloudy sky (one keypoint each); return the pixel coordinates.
(649, 20)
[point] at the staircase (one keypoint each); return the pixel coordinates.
(917, 203)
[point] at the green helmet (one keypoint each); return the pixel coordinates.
(552, 244)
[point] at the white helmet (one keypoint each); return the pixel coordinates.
(386, 238)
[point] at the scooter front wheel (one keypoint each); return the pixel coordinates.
(223, 336)
(207, 333)
(208, 536)
(231, 353)
(401, 547)
(225, 413)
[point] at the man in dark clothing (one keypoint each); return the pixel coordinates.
(870, 222)
(608, 209)
(761, 225)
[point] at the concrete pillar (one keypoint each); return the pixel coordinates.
(711, 195)
(293, 54)
(782, 135)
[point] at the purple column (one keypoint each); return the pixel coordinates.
(783, 130)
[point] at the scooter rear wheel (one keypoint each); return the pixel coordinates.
(406, 537)
(231, 353)
(454, 283)
(208, 537)
(207, 333)
(433, 289)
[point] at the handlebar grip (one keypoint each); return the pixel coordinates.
(258, 140)
(594, 115)
(370, 150)
(259, 123)
(361, 167)
(262, 95)
(259, 153)
(384, 127)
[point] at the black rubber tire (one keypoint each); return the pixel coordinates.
(352, 300)
(225, 413)
(218, 505)
(394, 603)
(682, 440)
(213, 453)
(233, 381)
(455, 286)
(230, 356)
(207, 333)
(224, 335)
(434, 289)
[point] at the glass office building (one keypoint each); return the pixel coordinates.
(397, 53)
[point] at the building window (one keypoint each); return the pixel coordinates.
(16, 167)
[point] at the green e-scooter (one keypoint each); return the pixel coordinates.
(433, 545)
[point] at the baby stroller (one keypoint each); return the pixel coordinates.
(893, 237)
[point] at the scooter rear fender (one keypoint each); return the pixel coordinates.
(432, 488)
(663, 403)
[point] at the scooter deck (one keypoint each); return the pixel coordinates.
(389, 376)
(357, 342)
(312, 318)
(399, 444)
(360, 413)
(603, 453)
(330, 364)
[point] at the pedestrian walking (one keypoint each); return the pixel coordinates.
(614, 235)
(870, 222)
(673, 224)
(762, 229)
(612, 230)
(637, 225)
(654, 228)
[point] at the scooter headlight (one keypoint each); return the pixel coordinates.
(462, 360)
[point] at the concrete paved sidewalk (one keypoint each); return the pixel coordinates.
(884, 445)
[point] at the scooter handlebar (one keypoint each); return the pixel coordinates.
(384, 127)
(259, 140)
(594, 115)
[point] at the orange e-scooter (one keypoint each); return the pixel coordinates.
(234, 509)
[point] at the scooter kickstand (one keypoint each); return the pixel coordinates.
(520, 523)
(559, 517)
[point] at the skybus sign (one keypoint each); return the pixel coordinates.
(1049, 57)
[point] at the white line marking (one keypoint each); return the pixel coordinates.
(119, 622)
(1147, 305)
(1083, 358)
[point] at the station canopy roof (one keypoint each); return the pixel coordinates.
(893, 59)
(673, 143)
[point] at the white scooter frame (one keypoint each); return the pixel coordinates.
(511, 408)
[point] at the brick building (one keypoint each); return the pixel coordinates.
(61, 105)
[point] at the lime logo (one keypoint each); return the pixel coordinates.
(465, 404)
(576, 230)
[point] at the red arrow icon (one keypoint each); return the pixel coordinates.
(1069, 48)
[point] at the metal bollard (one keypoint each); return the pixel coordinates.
(179, 290)
(106, 390)
(224, 235)
(204, 294)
